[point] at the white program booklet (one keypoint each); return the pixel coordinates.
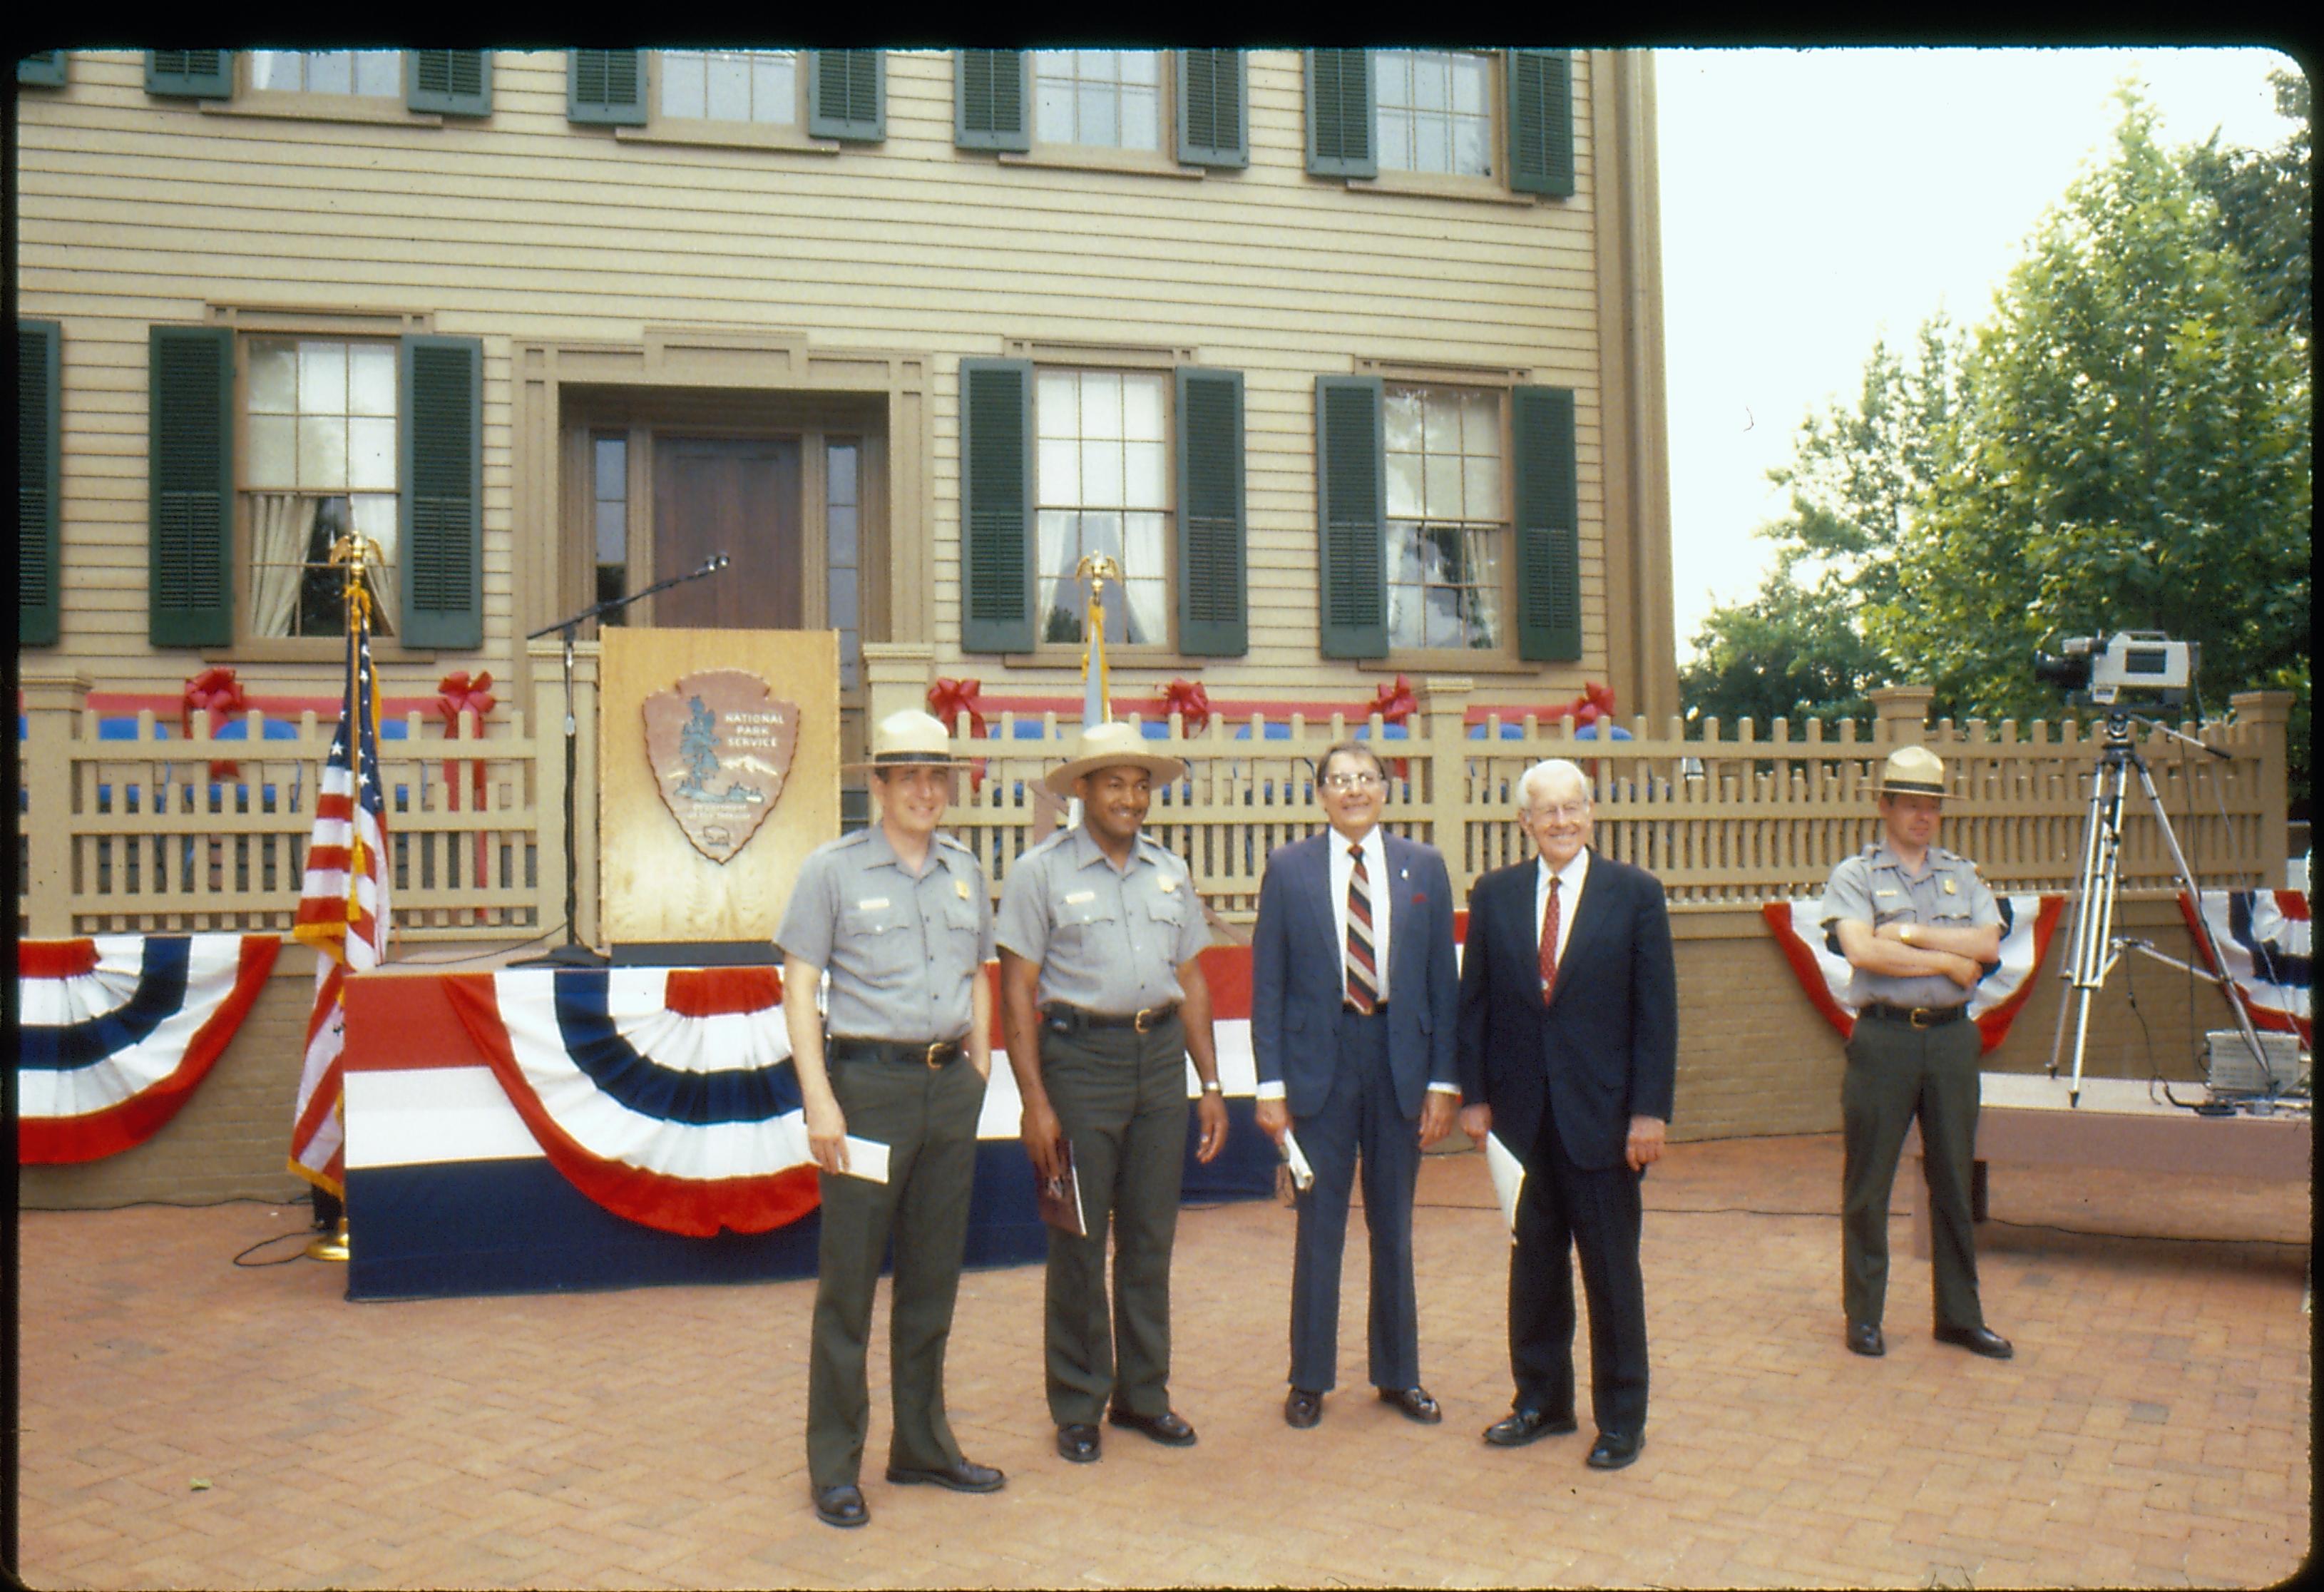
(1508, 1177)
(1303, 1176)
(867, 1159)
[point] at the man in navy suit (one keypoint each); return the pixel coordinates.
(1354, 992)
(1568, 1051)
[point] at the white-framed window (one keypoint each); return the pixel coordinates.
(320, 457)
(753, 86)
(1098, 98)
(843, 490)
(1102, 461)
(1433, 111)
(361, 73)
(1448, 519)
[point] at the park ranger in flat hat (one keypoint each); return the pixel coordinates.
(1102, 1002)
(898, 915)
(1919, 928)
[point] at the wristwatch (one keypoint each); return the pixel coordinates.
(1213, 1087)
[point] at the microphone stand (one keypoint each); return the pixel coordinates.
(573, 953)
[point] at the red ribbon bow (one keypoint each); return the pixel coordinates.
(1395, 703)
(949, 699)
(1595, 702)
(1190, 702)
(457, 694)
(215, 692)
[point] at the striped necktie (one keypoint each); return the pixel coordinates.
(1549, 922)
(1363, 971)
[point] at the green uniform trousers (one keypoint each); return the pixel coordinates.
(927, 1119)
(1121, 1097)
(1895, 1073)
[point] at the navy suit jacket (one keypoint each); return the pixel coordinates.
(1606, 1047)
(1297, 972)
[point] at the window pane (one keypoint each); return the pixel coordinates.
(1147, 619)
(840, 523)
(277, 69)
(1141, 66)
(1441, 486)
(772, 89)
(1432, 144)
(1101, 405)
(1469, 75)
(1141, 125)
(1142, 479)
(1481, 424)
(1103, 65)
(1429, 89)
(1442, 414)
(1142, 408)
(330, 72)
(1097, 117)
(851, 658)
(274, 451)
(728, 89)
(1403, 420)
(371, 379)
(1143, 556)
(374, 516)
(1102, 474)
(613, 467)
(371, 453)
(1060, 464)
(1054, 117)
(1102, 534)
(1469, 156)
(1058, 549)
(1403, 501)
(1394, 153)
(841, 462)
(1480, 494)
(613, 534)
(843, 599)
(681, 83)
(379, 72)
(273, 377)
(322, 451)
(1056, 404)
(323, 378)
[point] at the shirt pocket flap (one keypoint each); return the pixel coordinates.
(882, 918)
(1076, 910)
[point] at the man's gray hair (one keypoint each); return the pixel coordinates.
(1542, 772)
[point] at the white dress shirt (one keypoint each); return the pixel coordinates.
(1570, 879)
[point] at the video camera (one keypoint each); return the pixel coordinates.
(2146, 661)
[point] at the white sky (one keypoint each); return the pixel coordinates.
(1815, 200)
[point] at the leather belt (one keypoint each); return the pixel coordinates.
(933, 1054)
(1918, 1016)
(1067, 1019)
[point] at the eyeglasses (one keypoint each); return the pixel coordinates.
(1565, 811)
(1351, 781)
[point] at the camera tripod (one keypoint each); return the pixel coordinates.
(2093, 948)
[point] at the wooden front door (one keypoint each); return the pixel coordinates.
(739, 497)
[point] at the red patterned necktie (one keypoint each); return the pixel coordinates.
(1549, 914)
(1363, 972)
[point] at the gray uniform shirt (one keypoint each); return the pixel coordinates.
(900, 951)
(1872, 887)
(1107, 941)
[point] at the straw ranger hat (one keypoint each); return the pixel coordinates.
(1110, 745)
(911, 739)
(1913, 770)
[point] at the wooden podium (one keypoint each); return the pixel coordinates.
(717, 772)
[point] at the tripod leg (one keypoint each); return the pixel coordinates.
(2219, 961)
(2071, 964)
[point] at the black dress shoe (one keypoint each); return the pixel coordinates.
(963, 1476)
(842, 1505)
(1977, 1340)
(1169, 1427)
(1301, 1409)
(1077, 1443)
(1414, 1402)
(1864, 1338)
(1613, 1450)
(1520, 1427)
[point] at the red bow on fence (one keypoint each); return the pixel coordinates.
(216, 693)
(1395, 703)
(1190, 702)
(457, 694)
(950, 698)
(1595, 702)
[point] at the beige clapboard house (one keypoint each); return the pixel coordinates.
(1351, 357)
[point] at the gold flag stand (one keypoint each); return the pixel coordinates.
(329, 1246)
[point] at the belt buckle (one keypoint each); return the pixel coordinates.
(1915, 1016)
(930, 1058)
(1143, 1021)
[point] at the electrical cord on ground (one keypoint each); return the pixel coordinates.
(251, 1265)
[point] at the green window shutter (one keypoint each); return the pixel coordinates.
(847, 94)
(605, 87)
(1213, 622)
(992, 97)
(1340, 114)
(1351, 529)
(441, 511)
(1541, 121)
(43, 68)
(1549, 526)
(189, 474)
(1213, 109)
(189, 74)
(450, 82)
(996, 506)
(39, 435)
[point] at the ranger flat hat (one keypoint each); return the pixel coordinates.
(1110, 745)
(911, 739)
(1912, 771)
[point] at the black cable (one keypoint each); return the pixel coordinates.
(250, 1265)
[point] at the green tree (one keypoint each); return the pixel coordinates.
(1793, 651)
(2131, 450)
(2266, 205)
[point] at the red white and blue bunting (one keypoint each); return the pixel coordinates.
(117, 1031)
(667, 1096)
(2264, 935)
(2027, 923)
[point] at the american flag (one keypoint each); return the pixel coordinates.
(343, 909)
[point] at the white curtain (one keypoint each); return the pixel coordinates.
(386, 610)
(280, 524)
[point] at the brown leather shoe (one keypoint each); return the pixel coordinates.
(1301, 1409)
(1414, 1404)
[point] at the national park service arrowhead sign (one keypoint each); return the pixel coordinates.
(720, 743)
